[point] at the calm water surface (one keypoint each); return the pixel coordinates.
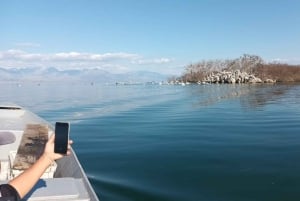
(208, 142)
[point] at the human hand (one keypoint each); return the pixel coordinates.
(49, 149)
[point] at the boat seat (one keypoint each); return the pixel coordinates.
(5, 149)
(7, 137)
(58, 189)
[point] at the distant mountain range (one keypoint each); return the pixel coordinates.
(84, 75)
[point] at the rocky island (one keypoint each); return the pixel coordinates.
(245, 69)
(232, 77)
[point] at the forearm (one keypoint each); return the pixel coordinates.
(25, 181)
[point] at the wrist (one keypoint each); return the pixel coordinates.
(48, 158)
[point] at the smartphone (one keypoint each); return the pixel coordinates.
(62, 130)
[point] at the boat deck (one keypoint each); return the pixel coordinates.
(67, 181)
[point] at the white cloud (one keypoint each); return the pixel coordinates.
(20, 55)
(27, 45)
(92, 57)
(152, 61)
(113, 62)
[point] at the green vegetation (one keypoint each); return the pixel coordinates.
(249, 65)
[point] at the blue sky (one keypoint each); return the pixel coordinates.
(155, 35)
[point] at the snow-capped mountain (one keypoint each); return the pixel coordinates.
(88, 75)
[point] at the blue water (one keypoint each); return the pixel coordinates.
(198, 142)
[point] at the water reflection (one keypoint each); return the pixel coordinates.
(262, 95)
(80, 101)
(77, 101)
(250, 96)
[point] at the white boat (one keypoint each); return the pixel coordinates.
(67, 181)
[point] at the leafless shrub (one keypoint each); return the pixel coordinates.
(251, 64)
(278, 72)
(198, 71)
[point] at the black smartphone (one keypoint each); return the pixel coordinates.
(62, 130)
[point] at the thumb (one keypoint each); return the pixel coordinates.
(51, 139)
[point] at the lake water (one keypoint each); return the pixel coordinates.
(191, 143)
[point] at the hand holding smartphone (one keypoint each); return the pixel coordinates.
(62, 130)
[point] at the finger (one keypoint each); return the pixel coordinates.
(70, 141)
(52, 137)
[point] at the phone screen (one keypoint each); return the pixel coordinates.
(61, 137)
